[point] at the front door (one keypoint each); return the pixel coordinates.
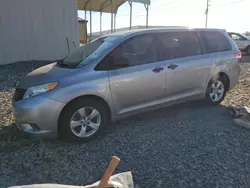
(140, 83)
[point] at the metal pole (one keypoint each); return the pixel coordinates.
(90, 14)
(146, 6)
(112, 22)
(85, 16)
(206, 12)
(115, 23)
(100, 23)
(130, 3)
(111, 16)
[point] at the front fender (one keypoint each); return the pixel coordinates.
(96, 84)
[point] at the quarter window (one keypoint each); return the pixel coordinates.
(215, 41)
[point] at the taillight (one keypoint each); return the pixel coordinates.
(238, 55)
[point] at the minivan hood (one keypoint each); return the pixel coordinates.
(46, 74)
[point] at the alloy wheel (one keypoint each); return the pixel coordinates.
(216, 91)
(85, 122)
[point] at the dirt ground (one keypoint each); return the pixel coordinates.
(189, 145)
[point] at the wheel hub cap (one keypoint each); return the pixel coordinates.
(216, 91)
(85, 122)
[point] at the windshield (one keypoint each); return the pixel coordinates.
(91, 51)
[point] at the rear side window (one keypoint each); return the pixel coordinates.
(215, 41)
(236, 36)
(178, 45)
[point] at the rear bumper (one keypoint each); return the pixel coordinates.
(38, 116)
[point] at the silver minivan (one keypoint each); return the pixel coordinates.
(122, 74)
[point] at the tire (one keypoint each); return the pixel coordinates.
(76, 120)
(248, 50)
(216, 85)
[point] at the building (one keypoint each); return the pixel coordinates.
(37, 29)
(82, 30)
(47, 29)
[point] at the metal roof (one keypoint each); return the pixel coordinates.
(108, 6)
(159, 30)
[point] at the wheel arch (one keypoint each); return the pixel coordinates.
(84, 97)
(224, 76)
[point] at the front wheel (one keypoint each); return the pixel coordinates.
(83, 120)
(216, 91)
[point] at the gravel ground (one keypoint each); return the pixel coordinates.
(190, 145)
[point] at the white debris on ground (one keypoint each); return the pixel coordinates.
(122, 180)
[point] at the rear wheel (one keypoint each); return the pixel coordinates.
(216, 90)
(83, 120)
(248, 50)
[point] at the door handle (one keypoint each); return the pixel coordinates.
(172, 66)
(157, 69)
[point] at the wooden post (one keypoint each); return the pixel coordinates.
(109, 171)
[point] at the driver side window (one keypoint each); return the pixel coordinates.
(236, 37)
(140, 50)
(135, 51)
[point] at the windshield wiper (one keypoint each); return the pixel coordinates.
(62, 65)
(61, 61)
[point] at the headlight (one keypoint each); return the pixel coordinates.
(37, 90)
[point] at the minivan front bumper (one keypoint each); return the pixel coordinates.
(38, 116)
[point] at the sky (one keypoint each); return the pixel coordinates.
(232, 15)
